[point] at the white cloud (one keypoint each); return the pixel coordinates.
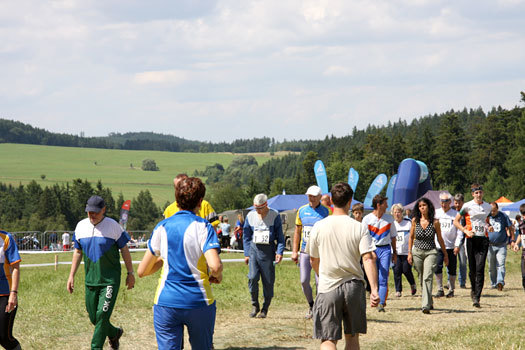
(292, 69)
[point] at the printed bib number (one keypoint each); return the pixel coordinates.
(445, 225)
(261, 237)
(306, 233)
(400, 238)
(479, 230)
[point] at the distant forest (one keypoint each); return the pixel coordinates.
(459, 147)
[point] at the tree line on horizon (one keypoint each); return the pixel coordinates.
(60, 207)
(459, 148)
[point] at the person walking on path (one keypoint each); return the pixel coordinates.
(459, 200)
(99, 238)
(307, 216)
(422, 248)
(336, 245)
(9, 282)
(445, 215)
(521, 239)
(475, 228)
(187, 248)
(383, 232)
(402, 267)
(499, 233)
(262, 228)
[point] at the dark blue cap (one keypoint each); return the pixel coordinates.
(95, 203)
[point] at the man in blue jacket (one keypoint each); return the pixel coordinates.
(500, 230)
(262, 228)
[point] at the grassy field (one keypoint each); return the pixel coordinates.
(50, 318)
(23, 163)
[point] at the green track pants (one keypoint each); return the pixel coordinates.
(99, 305)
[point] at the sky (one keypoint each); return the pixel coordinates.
(224, 70)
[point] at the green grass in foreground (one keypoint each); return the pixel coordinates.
(50, 318)
(23, 163)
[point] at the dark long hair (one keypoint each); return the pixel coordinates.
(431, 210)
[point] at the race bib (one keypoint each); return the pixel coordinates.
(261, 237)
(445, 225)
(306, 233)
(478, 230)
(400, 238)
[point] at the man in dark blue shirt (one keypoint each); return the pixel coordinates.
(500, 228)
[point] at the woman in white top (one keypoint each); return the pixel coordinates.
(402, 267)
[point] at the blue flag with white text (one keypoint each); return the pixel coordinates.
(320, 176)
(375, 188)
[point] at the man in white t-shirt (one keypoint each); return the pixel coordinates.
(335, 246)
(452, 239)
(475, 229)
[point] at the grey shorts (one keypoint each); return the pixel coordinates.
(347, 304)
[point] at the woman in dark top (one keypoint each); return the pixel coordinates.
(422, 248)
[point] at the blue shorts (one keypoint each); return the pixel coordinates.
(169, 323)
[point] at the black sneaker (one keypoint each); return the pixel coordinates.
(476, 303)
(440, 294)
(255, 311)
(381, 308)
(263, 313)
(450, 294)
(114, 343)
(426, 310)
(462, 286)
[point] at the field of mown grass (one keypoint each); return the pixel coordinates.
(23, 163)
(50, 318)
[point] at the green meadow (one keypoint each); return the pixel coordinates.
(49, 317)
(119, 170)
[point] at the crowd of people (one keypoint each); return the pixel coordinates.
(349, 253)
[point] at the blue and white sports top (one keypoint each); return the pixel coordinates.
(8, 256)
(181, 241)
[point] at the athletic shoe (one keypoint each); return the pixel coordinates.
(450, 294)
(255, 311)
(262, 314)
(440, 294)
(413, 289)
(398, 294)
(446, 286)
(381, 308)
(462, 286)
(426, 311)
(476, 304)
(500, 286)
(114, 343)
(309, 314)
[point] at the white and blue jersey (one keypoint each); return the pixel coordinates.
(381, 229)
(307, 217)
(100, 245)
(8, 256)
(263, 232)
(181, 241)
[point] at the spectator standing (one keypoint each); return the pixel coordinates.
(500, 230)
(336, 245)
(99, 239)
(225, 228)
(383, 231)
(262, 228)
(187, 248)
(237, 233)
(422, 248)
(475, 213)
(445, 215)
(65, 241)
(307, 216)
(402, 267)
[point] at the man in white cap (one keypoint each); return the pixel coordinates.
(262, 228)
(307, 216)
